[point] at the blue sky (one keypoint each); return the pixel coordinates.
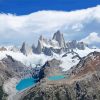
(23, 7)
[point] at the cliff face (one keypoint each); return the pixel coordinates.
(26, 49)
(59, 38)
(83, 83)
(9, 68)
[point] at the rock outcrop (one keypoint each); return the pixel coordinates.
(74, 44)
(26, 49)
(47, 51)
(58, 36)
(9, 68)
(50, 68)
(3, 49)
(39, 47)
(88, 64)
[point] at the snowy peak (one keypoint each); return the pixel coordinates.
(58, 36)
(48, 47)
(56, 45)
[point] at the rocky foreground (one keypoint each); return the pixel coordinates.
(11, 71)
(81, 82)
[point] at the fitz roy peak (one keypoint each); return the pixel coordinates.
(57, 45)
(58, 36)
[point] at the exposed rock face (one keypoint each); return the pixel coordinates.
(42, 47)
(74, 44)
(83, 83)
(47, 51)
(10, 68)
(43, 40)
(81, 45)
(39, 47)
(3, 49)
(34, 48)
(57, 45)
(59, 38)
(50, 68)
(48, 47)
(88, 64)
(25, 49)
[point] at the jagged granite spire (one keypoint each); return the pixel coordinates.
(41, 38)
(39, 47)
(33, 48)
(58, 36)
(25, 49)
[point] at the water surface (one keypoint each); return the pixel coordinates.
(25, 83)
(59, 77)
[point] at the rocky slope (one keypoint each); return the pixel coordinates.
(11, 71)
(83, 82)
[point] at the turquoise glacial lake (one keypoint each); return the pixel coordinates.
(53, 78)
(25, 83)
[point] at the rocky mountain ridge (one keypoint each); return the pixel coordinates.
(55, 45)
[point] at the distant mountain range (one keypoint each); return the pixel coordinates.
(55, 45)
(73, 60)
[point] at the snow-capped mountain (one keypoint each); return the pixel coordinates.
(52, 56)
(58, 36)
(69, 53)
(56, 45)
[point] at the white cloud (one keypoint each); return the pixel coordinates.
(28, 27)
(77, 27)
(92, 38)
